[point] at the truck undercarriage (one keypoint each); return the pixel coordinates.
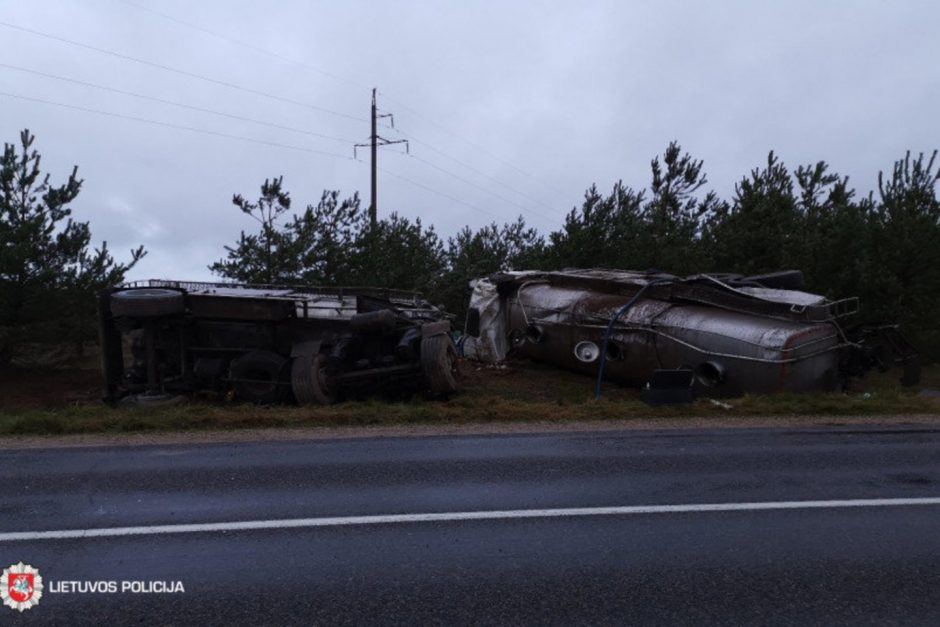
(271, 343)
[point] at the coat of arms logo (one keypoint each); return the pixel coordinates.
(20, 586)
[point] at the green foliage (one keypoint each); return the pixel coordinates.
(324, 236)
(398, 253)
(270, 255)
(527, 392)
(474, 254)
(315, 247)
(672, 216)
(48, 274)
(764, 210)
(628, 229)
(833, 249)
(906, 247)
(331, 243)
(605, 231)
(884, 250)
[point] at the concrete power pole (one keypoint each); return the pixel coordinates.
(374, 142)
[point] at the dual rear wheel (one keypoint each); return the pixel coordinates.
(312, 385)
(439, 364)
(309, 379)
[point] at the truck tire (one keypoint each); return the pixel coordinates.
(439, 364)
(258, 377)
(146, 303)
(308, 380)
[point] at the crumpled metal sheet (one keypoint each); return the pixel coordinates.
(492, 345)
(761, 338)
(788, 297)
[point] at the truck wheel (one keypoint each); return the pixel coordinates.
(439, 364)
(258, 377)
(146, 303)
(309, 380)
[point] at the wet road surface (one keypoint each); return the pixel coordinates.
(337, 558)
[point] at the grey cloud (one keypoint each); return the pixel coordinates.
(572, 93)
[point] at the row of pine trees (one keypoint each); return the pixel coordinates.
(882, 246)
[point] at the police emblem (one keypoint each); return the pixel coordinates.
(20, 586)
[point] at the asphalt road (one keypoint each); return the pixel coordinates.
(831, 564)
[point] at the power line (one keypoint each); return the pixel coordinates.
(181, 72)
(472, 184)
(175, 104)
(439, 193)
(470, 142)
(176, 126)
(478, 172)
(245, 44)
(347, 80)
(246, 139)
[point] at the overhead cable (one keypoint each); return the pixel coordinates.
(182, 72)
(175, 103)
(176, 126)
(245, 44)
(472, 184)
(478, 172)
(439, 193)
(245, 139)
(337, 77)
(469, 142)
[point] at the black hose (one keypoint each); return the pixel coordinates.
(610, 326)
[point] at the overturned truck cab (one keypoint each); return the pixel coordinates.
(270, 343)
(731, 334)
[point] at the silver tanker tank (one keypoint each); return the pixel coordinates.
(736, 334)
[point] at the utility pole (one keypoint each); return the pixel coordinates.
(374, 142)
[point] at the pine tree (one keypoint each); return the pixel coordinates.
(475, 254)
(48, 273)
(905, 250)
(269, 256)
(672, 216)
(325, 237)
(603, 232)
(760, 230)
(398, 253)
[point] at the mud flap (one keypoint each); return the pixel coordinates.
(668, 387)
(305, 349)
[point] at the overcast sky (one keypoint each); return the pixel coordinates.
(511, 107)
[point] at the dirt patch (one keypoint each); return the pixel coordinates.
(50, 388)
(533, 382)
(525, 395)
(22, 388)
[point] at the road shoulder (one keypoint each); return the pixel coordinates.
(428, 430)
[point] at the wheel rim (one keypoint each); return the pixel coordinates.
(320, 376)
(452, 358)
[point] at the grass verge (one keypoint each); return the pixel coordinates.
(522, 392)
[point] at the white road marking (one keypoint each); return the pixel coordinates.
(340, 521)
